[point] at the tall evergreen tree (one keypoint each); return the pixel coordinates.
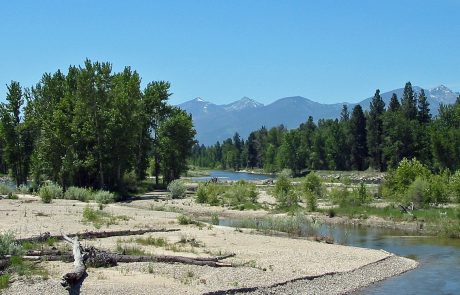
(358, 138)
(375, 136)
(344, 114)
(423, 114)
(394, 104)
(409, 102)
(252, 150)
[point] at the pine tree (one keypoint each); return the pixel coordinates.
(394, 104)
(344, 114)
(423, 137)
(375, 134)
(409, 102)
(358, 138)
(423, 114)
(252, 150)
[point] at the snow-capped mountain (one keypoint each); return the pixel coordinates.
(242, 104)
(442, 94)
(219, 122)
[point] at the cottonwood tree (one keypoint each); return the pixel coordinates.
(16, 134)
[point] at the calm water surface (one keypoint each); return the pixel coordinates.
(229, 175)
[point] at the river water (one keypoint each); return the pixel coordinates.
(439, 269)
(229, 175)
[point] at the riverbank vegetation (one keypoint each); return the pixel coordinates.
(93, 128)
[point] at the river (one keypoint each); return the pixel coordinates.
(230, 175)
(439, 258)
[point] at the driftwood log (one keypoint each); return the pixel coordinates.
(98, 258)
(94, 235)
(72, 281)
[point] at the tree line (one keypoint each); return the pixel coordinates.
(379, 139)
(93, 127)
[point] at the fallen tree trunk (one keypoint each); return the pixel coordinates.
(99, 258)
(94, 234)
(170, 259)
(72, 281)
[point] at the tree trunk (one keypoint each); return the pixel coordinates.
(72, 281)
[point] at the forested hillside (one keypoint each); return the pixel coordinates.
(378, 138)
(93, 127)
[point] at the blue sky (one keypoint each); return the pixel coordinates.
(328, 51)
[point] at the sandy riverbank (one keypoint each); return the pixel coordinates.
(262, 265)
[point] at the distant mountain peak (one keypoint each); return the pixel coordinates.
(243, 103)
(199, 99)
(441, 88)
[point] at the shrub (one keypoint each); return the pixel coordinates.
(240, 193)
(104, 197)
(340, 196)
(454, 186)
(4, 281)
(418, 192)
(361, 195)
(50, 191)
(8, 244)
(78, 193)
(177, 189)
(202, 194)
(215, 219)
(312, 183)
(24, 189)
(438, 190)
(184, 220)
(312, 201)
(282, 185)
(5, 190)
(284, 192)
(210, 193)
(312, 189)
(398, 181)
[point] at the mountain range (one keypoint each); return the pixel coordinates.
(218, 122)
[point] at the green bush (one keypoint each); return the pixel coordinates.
(361, 195)
(397, 181)
(438, 189)
(312, 201)
(418, 192)
(184, 220)
(78, 193)
(50, 191)
(24, 189)
(5, 190)
(240, 193)
(454, 186)
(104, 197)
(340, 196)
(210, 193)
(313, 183)
(312, 189)
(284, 192)
(177, 189)
(8, 244)
(4, 281)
